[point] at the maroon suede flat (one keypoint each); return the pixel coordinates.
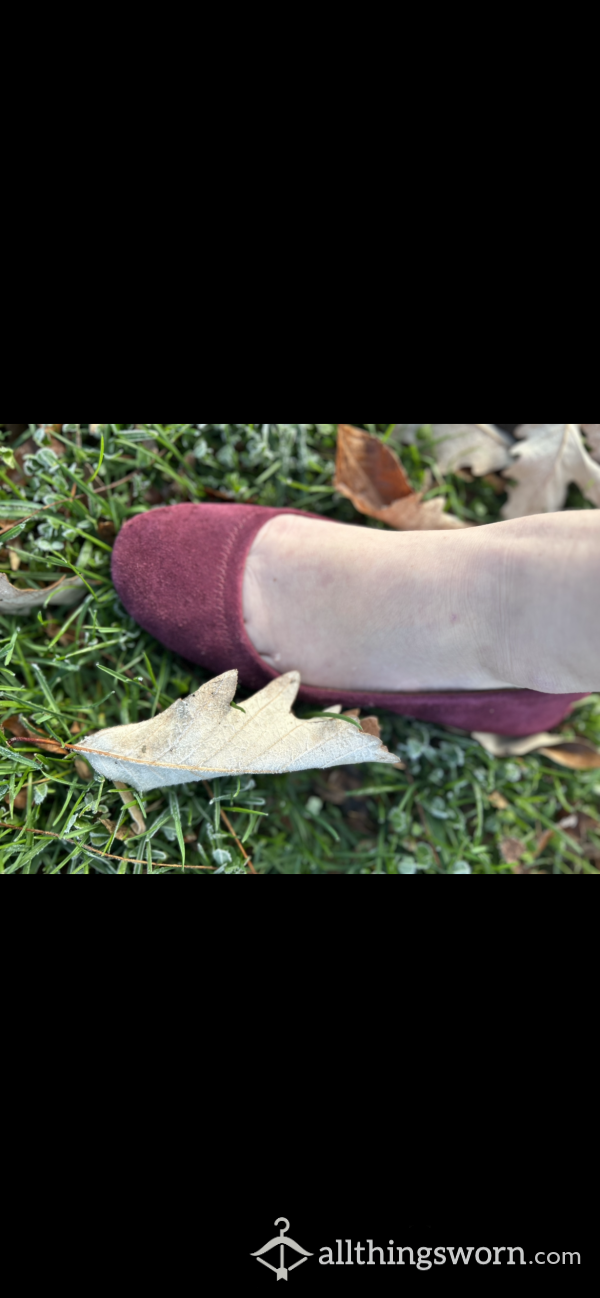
(179, 572)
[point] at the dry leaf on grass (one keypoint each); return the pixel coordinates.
(20, 803)
(338, 786)
(592, 432)
(574, 754)
(512, 850)
(20, 729)
(67, 592)
(551, 457)
(482, 448)
(370, 474)
(202, 737)
(132, 807)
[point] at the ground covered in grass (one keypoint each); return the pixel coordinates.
(65, 673)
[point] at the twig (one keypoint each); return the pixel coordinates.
(129, 860)
(109, 486)
(227, 822)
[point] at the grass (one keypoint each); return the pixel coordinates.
(92, 666)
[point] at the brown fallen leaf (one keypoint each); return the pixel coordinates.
(581, 828)
(15, 727)
(107, 531)
(83, 769)
(543, 842)
(52, 629)
(573, 754)
(499, 802)
(20, 803)
(498, 484)
(550, 458)
(369, 473)
(588, 825)
(66, 592)
(20, 729)
(508, 746)
(123, 833)
(359, 821)
(134, 811)
(338, 786)
(202, 737)
(512, 850)
(372, 726)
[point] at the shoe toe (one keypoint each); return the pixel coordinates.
(158, 562)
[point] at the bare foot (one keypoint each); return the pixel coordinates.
(494, 607)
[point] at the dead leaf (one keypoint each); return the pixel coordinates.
(588, 825)
(509, 746)
(66, 592)
(83, 769)
(339, 785)
(52, 629)
(131, 804)
(20, 729)
(372, 726)
(369, 473)
(202, 737)
(122, 835)
(499, 802)
(551, 457)
(543, 841)
(107, 531)
(569, 822)
(367, 468)
(360, 823)
(479, 447)
(579, 827)
(20, 803)
(574, 754)
(512, 850)
(592, 432)
(498, 484)
(15, 727)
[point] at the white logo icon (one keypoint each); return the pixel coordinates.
(282, 1242)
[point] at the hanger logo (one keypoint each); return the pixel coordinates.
(281, 1242)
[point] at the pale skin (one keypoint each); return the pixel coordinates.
(511, 605)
